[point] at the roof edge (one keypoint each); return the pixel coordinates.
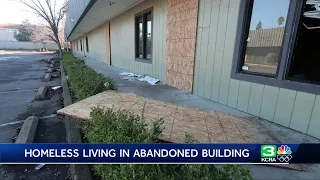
(89, 6)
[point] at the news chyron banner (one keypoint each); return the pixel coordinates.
(159, 153)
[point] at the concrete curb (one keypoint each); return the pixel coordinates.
(47, 78)
(41, 94)
(28, 130)
(77, 171)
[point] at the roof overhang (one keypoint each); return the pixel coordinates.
(99, 12)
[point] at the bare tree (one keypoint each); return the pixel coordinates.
(259, 25)
(52, 13)
(40, 35)
(281, 20)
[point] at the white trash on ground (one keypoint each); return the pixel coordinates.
(150, 80)
(130, 74)
(56, 87)
(132, 77)
(37, 168)
(129, 78)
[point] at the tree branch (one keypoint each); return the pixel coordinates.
(37, 11)
(62, 11)
(48, 2)
(52, 38)
(47, 11)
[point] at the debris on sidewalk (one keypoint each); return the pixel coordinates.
(132, 77)
(150, 80)
(37, 168)
(130, 74)
(129, 78)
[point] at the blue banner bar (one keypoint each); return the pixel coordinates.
(159, 153)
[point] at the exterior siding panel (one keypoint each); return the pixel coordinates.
(97, 44)
(123, 42)
(213, 64)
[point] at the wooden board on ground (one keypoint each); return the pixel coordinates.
(206, 126)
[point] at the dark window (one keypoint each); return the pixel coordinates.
(77, 46)
(305, 61)
(143, 35)
(277, 44)
(80, 44)
(87, 44)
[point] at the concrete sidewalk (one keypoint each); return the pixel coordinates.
(165, 93)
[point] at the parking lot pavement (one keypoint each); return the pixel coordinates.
(21, 76)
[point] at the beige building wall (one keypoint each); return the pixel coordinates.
(97, 44)
(123, 40)
(97, 41)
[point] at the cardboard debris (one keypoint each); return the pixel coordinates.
(206, 126)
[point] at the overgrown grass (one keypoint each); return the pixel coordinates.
(83, 80)
(107, 126)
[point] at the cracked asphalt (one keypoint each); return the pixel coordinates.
(20, 77)
(21, 74)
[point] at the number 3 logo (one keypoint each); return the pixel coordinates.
(268, 151)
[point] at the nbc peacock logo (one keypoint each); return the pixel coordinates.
(284, 153)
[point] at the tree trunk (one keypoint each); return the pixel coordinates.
(58, 43)
(60, 51)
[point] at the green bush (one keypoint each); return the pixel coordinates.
(107, 126)
(84, 81)
(272, 58)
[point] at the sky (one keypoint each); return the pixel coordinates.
(15, 12)
(268, 12)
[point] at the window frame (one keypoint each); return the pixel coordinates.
(81, 48)
(87, 44)
(281, 79)
(143, 14)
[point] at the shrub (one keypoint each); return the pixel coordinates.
(107, 126)
(84, 81)
(272, 58)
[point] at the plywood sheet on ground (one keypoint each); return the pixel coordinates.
(206, 126)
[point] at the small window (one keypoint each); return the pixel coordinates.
(263, 41)
(87, 44)
(143, 35)
(81, 45)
